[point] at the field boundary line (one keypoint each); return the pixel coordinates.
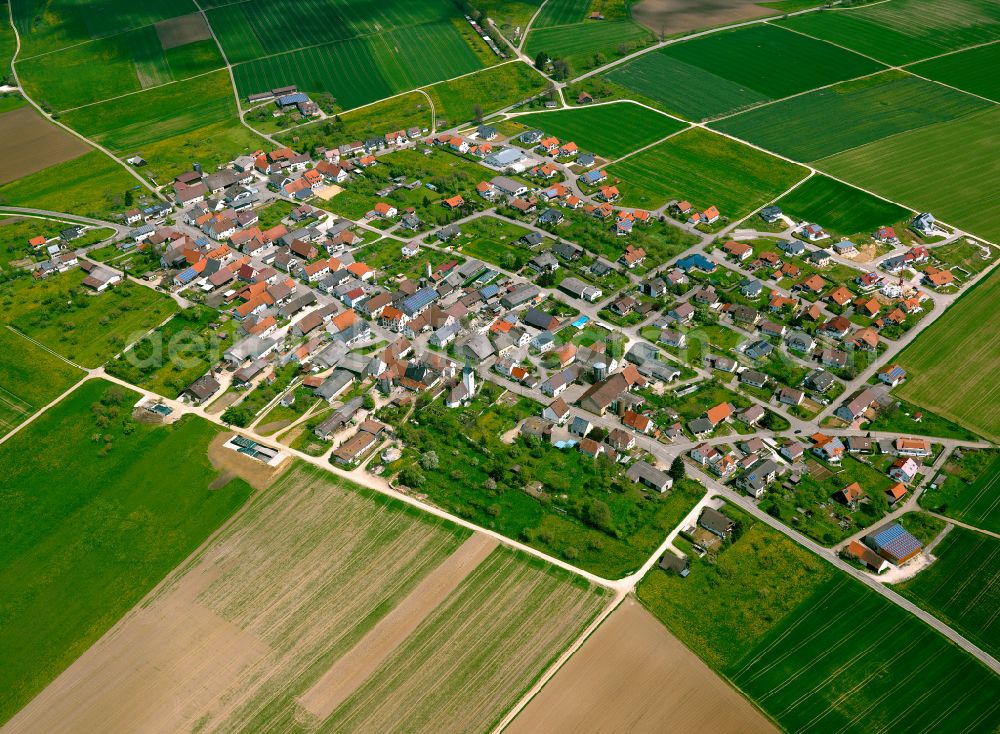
(44, 409)
(527, 28)
(963, 524)
(140, 91)
(651, 145)
(604, 104)
(58, 123)
(951, 53)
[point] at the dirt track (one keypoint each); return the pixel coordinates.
(633, 675)
(31, 144)
(670, 17)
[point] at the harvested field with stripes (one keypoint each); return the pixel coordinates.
(326, 607)
(971, 493)
(962, 586)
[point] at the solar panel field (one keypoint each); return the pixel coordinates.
(903, 31)
(610, 130)
(724, 72)
(962, 586)
(869, 110)
(815, 650)
(356, 51)
(705, 169)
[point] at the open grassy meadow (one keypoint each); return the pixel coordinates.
(783, 627)
(871, 109)
(610, 130)
(950, 366)
(840, 209)
(968, 70)
(315, 603)
(30, 378)
(724, 72)
(486, 91)
(114, 506)
(962, 586)
(85, 328)
(948, 168)
(590, 43)
(707, 170)
(901, 31)
(89, 185)
(971, 492)
(171, 125)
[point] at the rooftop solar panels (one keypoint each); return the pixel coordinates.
(896, 541)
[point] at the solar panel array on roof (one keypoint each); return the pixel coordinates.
(244, 442)
(895, 540)
(412, 305)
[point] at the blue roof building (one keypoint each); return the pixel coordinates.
(697, 260)
(415, 304)
(893, 543)
(290, 100)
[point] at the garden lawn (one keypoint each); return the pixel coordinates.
(495, 241)
(91, 185)
(902, 31)
(707, 170)
(841, 210)
(971, 492)
(962, 586)
(969, 70)
(723, 72)
(610, 130)
(949, 168)
(92, 528)
(86, 328)
(782, 626)
(872, 109)
(951, 365)
(30, 378)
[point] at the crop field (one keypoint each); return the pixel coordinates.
(35, 144)
(901, 31)
(355, 594)
(633, 670)
(723, 72)
(90, 185)
(959, 351)
(351, 49)
(584, 44)
(707, 170)
(872, 109)
(796, 650)
(171, 126)
(949, 169)
(87, 329)
(971, 492)
(109, 67)
(106, 520)
(562, 12)
(610, 130)
(491, 89)
(967, 70)
(839, 208)
(962, 586)
(30, 378)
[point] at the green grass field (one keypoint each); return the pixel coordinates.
(723, 72)
(610, 130)
(90, 185)
(490, 89)
(948, 168)
(971, 492)
(590, 43)
(841, 209)
(951, 364)
(495, 241)
(901, 31)
(962, 587)
(967, 70)
(15, 232)
(85, 328)
(561, 12)
(790, 632)
(705, 169)
(873, 108)
(354, 51)
(30, 378)
(92, 528)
